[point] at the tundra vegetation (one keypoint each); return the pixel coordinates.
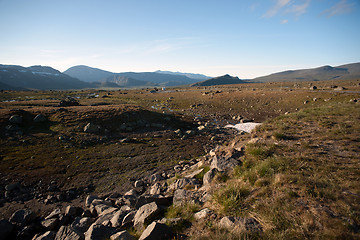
(297, 175)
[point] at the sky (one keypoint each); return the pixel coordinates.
(244, 38)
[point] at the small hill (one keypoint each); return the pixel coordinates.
(88, 74)
(343, 72)
(37, 77)
(222, 80)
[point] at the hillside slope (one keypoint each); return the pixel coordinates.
(343, 72)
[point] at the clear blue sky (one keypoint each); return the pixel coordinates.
(245, 38)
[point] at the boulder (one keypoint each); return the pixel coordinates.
(22, 217)
(68, 233)
(49, 235)
(71, 211)
(82, 224)
(139, 183)
(224, 163)
(54, 214)
(155, 189)
(156, 231)
(123, 235)
(39, 118)
(90, 199)
(145, 214)
(99, 232)
(50, 224)
(202, 214)
(118, 217)
(91, 128)
(183, 182)
(17, 119)
(128, 219)
(209, 176)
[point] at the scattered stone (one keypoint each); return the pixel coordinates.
(156, 231)
(313, 88)
(68, 233)
(91, 128)
(123, 235)
(71, 211)
(145, 213)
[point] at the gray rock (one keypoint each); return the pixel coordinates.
(123, 235)
(82, 224)
(49, 235)
(102, 209)
(99, 232)
(91, 128)
(202, 214)
(68, 233)
(209, 176)
(12, 186)
(90, 199)
(50, 224)
(155, 189)
(54, 214)
(156, 231)
(15, 119)
(101, 202)
(131, 192)
(139, 183)
(145, 214)
(22, 217)
(71, 211)
(128, 219)
(182, 196)
(183, 182)
(39, 118)
(117, 218)
(224, 163)
(6, 228)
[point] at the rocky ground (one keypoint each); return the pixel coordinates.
(125, 164)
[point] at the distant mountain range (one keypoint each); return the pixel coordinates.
(222, 80)
(343, 72)
(132, 79)
(14, 77)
